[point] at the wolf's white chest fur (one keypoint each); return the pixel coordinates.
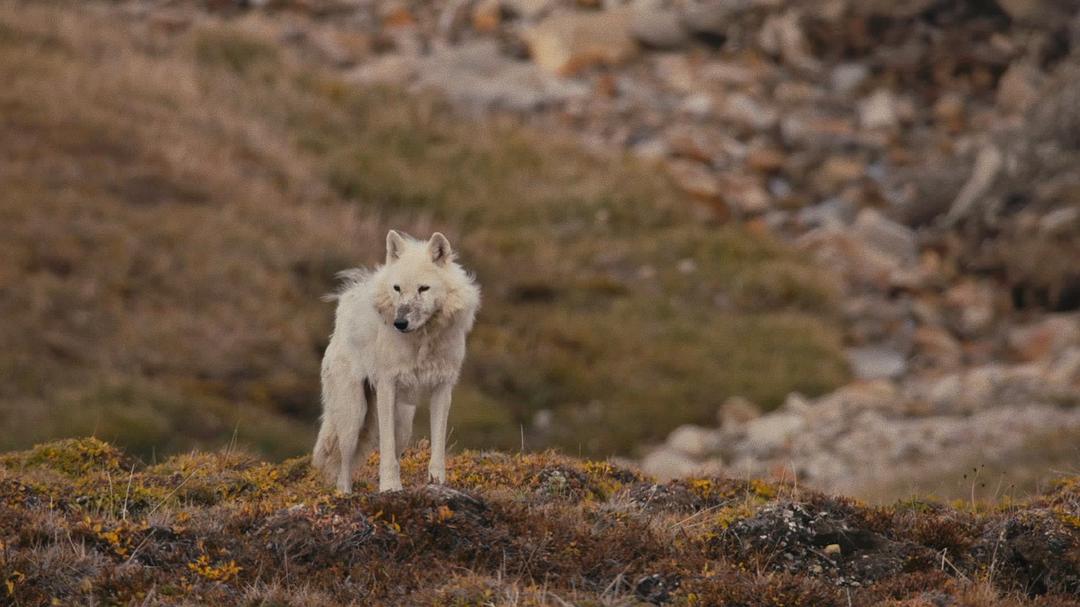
(419, 361)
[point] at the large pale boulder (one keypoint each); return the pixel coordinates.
(567, 42)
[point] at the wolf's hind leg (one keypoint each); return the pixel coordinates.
(369, 431)
(346, 405)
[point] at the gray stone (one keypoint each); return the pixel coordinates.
(658, 28)
(749, 112)
(1059, 221)
(847, 77)
(874, 362)
(895, 9)
(478, 75)
(782, 36)
(712, 17)
(393, 70)
(569, 41)
(832, 212)
(1018, 87)
(1039, 12)
(698, 105)
(528, 9)
(737, 411)
(665, 464)
(879, 111)
(886, 236)
(768, 434)
(694, 441)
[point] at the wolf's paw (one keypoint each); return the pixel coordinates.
(389, 486)
(437, 477)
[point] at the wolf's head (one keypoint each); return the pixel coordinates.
(417, 282)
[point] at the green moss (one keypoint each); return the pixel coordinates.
(72, 457)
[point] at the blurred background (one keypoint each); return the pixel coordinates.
(829, 241)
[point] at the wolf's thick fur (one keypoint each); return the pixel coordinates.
(399, 336)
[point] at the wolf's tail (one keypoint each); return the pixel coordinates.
(324, 446)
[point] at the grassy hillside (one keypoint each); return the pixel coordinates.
(82, 523)
(174, 202)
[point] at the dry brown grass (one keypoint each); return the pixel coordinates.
(82, 523)
(174, 203)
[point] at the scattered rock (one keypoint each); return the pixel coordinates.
(1046, 13)
(873, 362)
(477, 75)
(1019, 87)
(793, 538)
(665, 464)
(887, 237)
(744, 193)
(879, 111)
(659, 29)
(745, 111)
(766, 435)
(1044, 338)
(737, 411)
(817, 132)
(487, 15)
(846, 78)
(568, 42)
(694, 441)
(971, 307)
(392, 70)
(782, 36)
(937, 348)
(710, 19)
(528, 10)
(891, 8)
(1060, 221)
(697, 181)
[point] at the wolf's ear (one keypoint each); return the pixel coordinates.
(439, 248)
(395, 244)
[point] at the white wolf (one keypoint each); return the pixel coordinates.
(399, 336)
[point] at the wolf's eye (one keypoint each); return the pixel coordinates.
(423, 288)
(397, 288)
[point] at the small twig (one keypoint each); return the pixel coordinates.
(171, 493)
(993, 557)
(139, 547)
(232, 441)
(701, 512)
(127, 493)
(108, 475)
(946, 561)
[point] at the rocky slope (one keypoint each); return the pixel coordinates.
(82, 523)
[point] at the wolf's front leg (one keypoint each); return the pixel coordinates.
(440, 411)
(389, 471)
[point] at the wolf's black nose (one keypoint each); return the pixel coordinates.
(401, 325)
